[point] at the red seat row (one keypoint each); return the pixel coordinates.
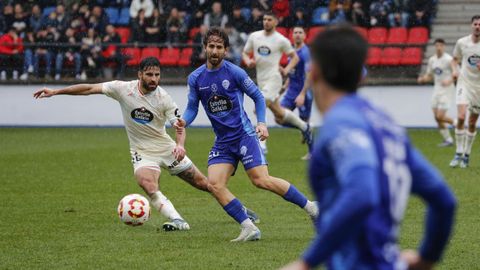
(167, 56)
(393, 56)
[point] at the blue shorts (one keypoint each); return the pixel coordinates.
(246, 149)
(304, 111)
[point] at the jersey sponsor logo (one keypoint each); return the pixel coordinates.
(219, 105)
(225, 84)
(175, 163)
(203, 88)
(473, 60)
(142, 115)
(438, 71)
(213, 154)
(264, 51)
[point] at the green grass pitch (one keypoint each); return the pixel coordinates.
(60, 187)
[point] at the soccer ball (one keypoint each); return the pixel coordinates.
(134, 210)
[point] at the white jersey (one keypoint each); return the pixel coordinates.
(144, 116)
(441, 69)
(267, 51)
(469, 54)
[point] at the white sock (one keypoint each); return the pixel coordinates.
(164, 206)
(247, 223)
(460, 139)
(290, 118)
(469, 142)
(446, 134)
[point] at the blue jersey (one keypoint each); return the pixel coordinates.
(221, 93)
(362, 170)
(298, 74)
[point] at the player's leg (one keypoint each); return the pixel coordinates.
(218, 175)
(470, 138)
(305, 112)
(460, 136)
(442, 120)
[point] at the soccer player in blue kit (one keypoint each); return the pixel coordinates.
(220, 86)
(362, 169)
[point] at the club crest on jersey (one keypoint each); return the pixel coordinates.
(438, 71)
(214, 87)
(219, 105)
(473, 60)
(142, 115)
(264, 50)
(225, 84)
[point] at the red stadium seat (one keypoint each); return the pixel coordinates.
(397, 35)
(184, 60)
(124, 33)
(133, 56)
(418, 35)
(391, 56)
(284, 31)
(412, 56)
(150, 52)
(374, 56)
(312, 32)
(377, 35)
(193, 32)
(284, 60)
(169, 57)
(362, 31)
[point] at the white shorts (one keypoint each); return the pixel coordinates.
(167, 162)
(461, 94)
(440, 101)
(271, 88)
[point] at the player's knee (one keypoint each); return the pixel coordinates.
(215, 187)
(262, 182)
(148, 184)
(279, 120)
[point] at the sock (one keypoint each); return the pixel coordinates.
(235, 210)
(164, 206)
(247, 223)
(469, 142)
(292, 119)
(295, 196)
(460, 139)
(446, 134)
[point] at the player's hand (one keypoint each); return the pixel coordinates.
(180, 124)
(179, 152)
(296, 265)
(262, 131)
(414, 261)
(300, 100)
(455, 75)
(282, 71)
(44, 93)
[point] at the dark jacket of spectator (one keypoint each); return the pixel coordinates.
(138, 28)
(420, 12)
(379, 11)
(35, 19)
(216, 17)
(238, 21)
(359, 14)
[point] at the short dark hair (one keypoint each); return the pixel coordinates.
(475, 17)
(439, 40)
(340, 53)
(216, 31)
(270, 13)
(148, 62)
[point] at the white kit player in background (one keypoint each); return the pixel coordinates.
(268, 46)
(467, 53)
(145, 108)
(439, 70)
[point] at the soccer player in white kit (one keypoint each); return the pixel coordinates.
(467, 52)
(268, 46)
(145, 108)
(439, 70)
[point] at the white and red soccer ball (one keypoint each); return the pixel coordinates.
(134, 209)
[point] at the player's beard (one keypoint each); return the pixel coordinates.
(149, 87)
(215, 60)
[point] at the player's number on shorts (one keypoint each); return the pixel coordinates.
(136, 157)
(399, 177)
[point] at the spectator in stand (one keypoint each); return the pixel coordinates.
(198, 55)
(216, 17)
(35, 19)
(399, 15)
(238, 21)
(421, 11)
(8, 15)
(359, 15)
(299, 18)
(44, 38)
(68, 51)
(339, 10)
(138, 28)
(256, 21)
(379, 10)
(281, 9)
(20, 20)
(262, 4)
(90, 51)
(145, 5)
(28, 53)
(111, 52)
(176, 28)
(62, 18)
(98, 20)
(234, 53)
(153, 26)
(11, 53)
(79, 18)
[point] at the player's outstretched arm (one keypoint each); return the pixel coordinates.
(294, 59)
(300, 99)
(77, 89)
(180, 135)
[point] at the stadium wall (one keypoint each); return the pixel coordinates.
(409, 105)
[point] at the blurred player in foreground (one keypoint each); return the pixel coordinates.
(268, 46)
(362, 169)
(439, 70)
(220, 86)
(145, 108)
(467, 52)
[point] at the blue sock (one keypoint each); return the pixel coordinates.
(235, 210)
(295, 196)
